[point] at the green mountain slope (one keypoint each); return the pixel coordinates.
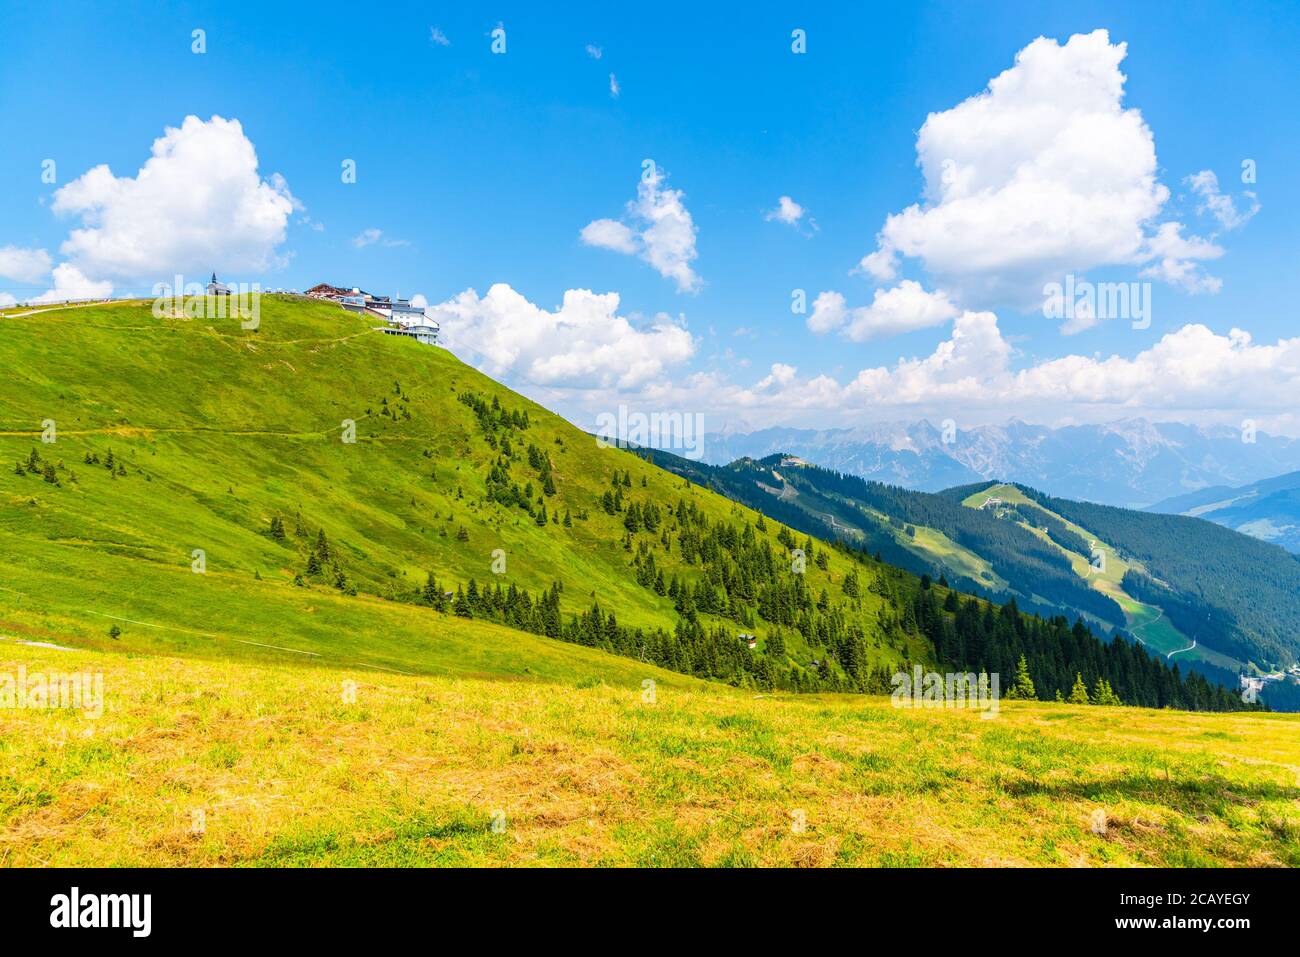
(1099, 564)
(1241, 595)
(1036, 564)
(316, 491)
(1026, 550)
(923, 532)
(199, 494)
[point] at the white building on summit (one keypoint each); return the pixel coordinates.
(217, 288)
(404, 319)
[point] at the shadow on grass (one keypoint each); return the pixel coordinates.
(1203, 793)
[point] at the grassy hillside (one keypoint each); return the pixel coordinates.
(199, 496)
(922, 532)
(1235, 593)
(583, 769)
(1146, 623)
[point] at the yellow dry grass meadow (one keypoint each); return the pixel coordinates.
(203, 763)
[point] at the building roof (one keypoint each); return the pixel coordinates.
(333, 292)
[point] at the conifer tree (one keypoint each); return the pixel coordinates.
(1103, 694)
(1023, 686)
(460, 606)
(1079, 693)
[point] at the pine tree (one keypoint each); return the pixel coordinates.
(1079, 693)
(460, 606)
(1023, 686)
(851, 587)
(1103, 694)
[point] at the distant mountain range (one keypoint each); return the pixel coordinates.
(1130, 463)
(1269, 509)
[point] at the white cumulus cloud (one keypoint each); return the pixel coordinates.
(1192, 374)
(24, 265)
(71, 283)
(610, 234)
(786, 211)
(661, 232)
(1045, 172)
(584, 343)
(1219, 205)
(1174, 259)
(197, 204)
(905, 308)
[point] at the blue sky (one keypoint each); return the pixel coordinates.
(479, 169)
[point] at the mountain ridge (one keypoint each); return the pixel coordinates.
(1130, 463)
(1268, 509)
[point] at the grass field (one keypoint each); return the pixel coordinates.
(934, 544)
(484, 770)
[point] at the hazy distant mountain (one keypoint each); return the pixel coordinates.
(1131, 462)
(1269, 509)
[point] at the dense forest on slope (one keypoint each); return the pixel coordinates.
(973, 634)
(1030, 565)
(1234, 592)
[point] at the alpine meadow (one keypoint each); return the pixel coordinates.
(470, 467)
(471, 562)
